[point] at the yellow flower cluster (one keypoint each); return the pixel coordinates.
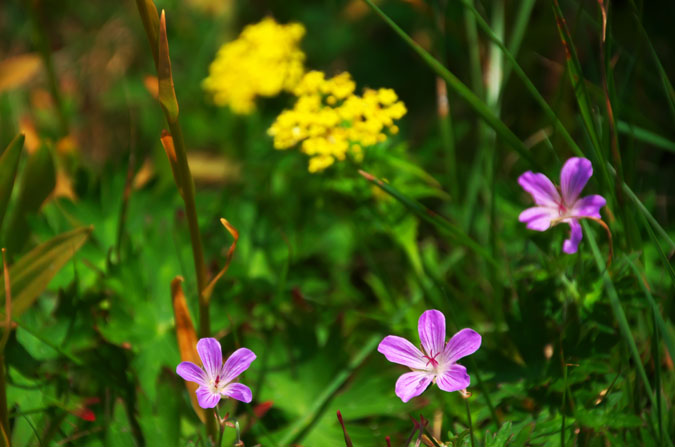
(264, 60)
(329, 121)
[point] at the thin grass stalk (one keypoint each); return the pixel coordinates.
(433, 218)
(656, 352)
(304, 423)
(468, 417)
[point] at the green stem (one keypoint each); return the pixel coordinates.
(188, 189)
(468, 417)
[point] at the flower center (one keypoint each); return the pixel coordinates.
(217, 385)
(432, 360)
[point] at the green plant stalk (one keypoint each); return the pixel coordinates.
(188, 189)
(468, 417)
(156, 32)
(300, 426)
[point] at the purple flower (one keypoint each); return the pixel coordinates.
(554, 207)
(436, 362)
(216, 379)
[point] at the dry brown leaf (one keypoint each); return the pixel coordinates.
(18, 70)
(187, 339)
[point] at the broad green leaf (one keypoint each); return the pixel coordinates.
(31, 274)
(9, 162)
(37, 182)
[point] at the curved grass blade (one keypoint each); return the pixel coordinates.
(294, 435)
(646, 136)
(433, 218)
(31, 274)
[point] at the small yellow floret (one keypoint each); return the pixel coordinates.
(264, 60)
(329, 121)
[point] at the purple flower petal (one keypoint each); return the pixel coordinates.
(463, 343)
(206, 398)
(431, 327)
(238, 391)
(211, 356)
(573, 177)
(570, 245)
(589, 206)
(236, 364)
(540, 188)
(191, 372)
(399, 350)
(412, 384)
(454, 379)
(538, 218)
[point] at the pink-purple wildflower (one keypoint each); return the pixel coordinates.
(436, 362)
(216, 380)
(561, 205)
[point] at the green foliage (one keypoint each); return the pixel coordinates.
(576, 350)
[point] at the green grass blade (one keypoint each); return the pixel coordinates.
(462, 90)
(313, 414)
(529, 85)
(667, 335)
(433, 218)
(620, 317)
(519, 27)
(646, 136)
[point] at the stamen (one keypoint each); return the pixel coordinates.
(432, 360)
